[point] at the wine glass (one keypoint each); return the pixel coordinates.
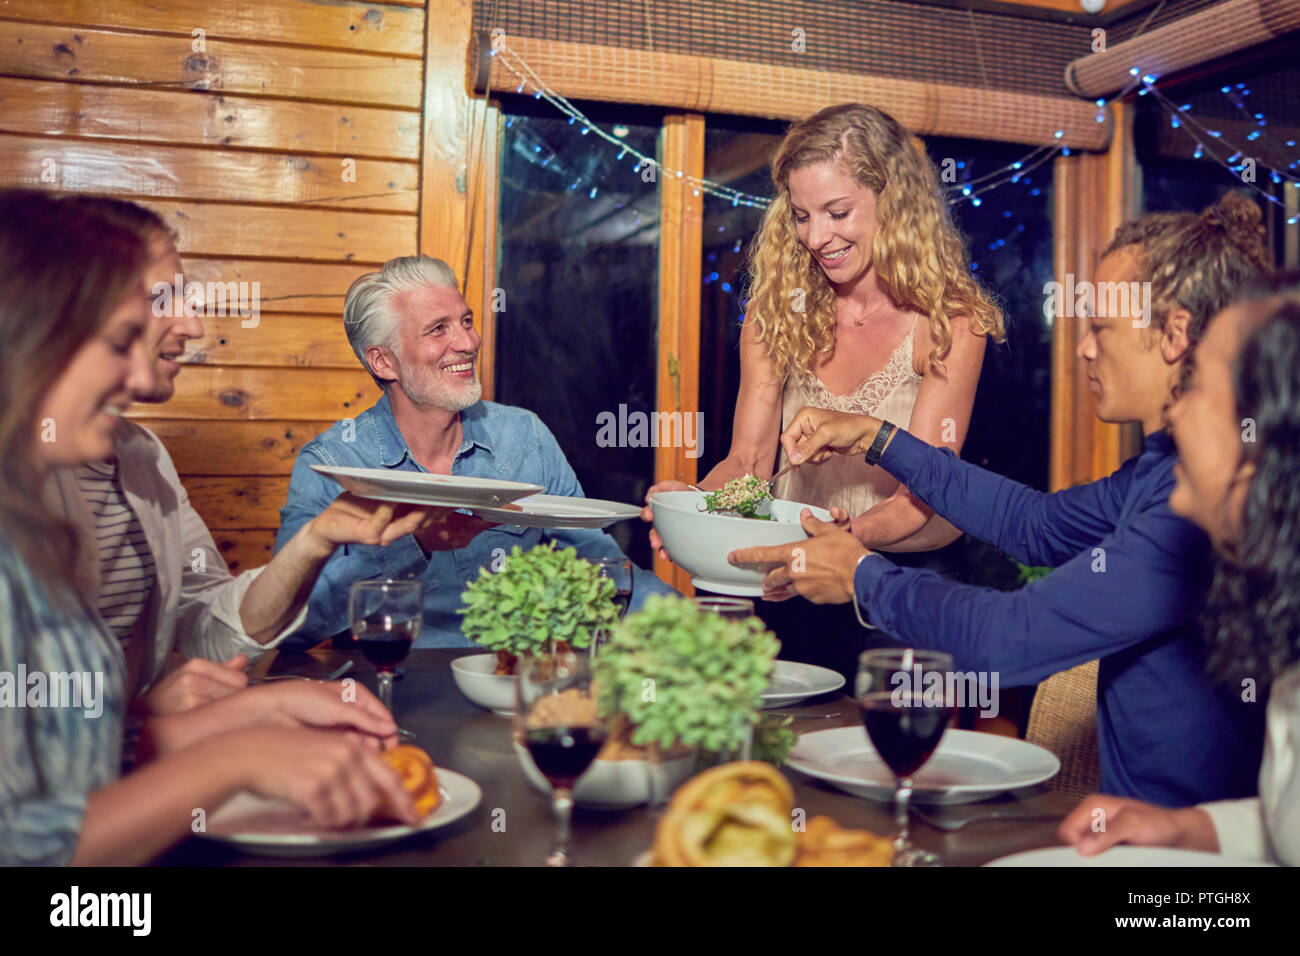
(904, 726)
(735, 609)
(386, 617)
(618, 570)
(556, 720)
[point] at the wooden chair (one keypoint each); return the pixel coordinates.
(1063, 719)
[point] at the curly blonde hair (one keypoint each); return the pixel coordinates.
(917, 252)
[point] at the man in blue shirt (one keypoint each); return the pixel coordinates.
(414, 333)
(1130, 575)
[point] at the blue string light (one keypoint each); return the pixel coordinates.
(971, 190)
(527, 76)
(1181, 115)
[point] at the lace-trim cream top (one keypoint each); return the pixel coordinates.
(849, 482)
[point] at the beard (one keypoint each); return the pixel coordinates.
(428, 386)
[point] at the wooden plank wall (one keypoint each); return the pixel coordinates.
(239, 136)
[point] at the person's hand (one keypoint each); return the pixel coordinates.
(820, 568)
(350, 519)
(841, 519)
(815, 434)
(648, 515)
(325, 705)
(449, 530)
(332, 777)
(194, 683)
(344, 706)
(1100, 821)
(785, 592)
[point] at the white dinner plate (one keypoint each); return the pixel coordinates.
(792, 682)
(1122, 856)
(423, 488)
(264, 827)
(561, 511)
(966, 766)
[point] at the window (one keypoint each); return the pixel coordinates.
(578, 262)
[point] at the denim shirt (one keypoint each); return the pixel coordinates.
(1128, 587)
(498, 441)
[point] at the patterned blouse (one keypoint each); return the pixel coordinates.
(61, 709)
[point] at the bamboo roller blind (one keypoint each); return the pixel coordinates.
(887, 38)
(1196, 38)
(708, 84)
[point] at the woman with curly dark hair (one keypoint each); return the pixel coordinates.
(1237, 427)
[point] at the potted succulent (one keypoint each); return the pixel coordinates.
(676, 676)
(674, 683)
(542, 600)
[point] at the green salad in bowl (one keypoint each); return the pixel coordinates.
(741, 496)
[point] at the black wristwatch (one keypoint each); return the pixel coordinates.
(878, 446)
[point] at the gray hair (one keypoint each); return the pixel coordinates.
(367, 317)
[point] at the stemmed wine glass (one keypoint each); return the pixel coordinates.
(618, 570)
(904, 727)
(386, 617)
(556, 719)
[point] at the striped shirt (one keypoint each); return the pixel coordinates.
(126, 565)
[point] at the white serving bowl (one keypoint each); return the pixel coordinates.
(615, 784)
(700, 542)
(473, 675)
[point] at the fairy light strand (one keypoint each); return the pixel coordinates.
(1204, 133)
(527, 77)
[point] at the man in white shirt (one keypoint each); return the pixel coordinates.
(148, 561)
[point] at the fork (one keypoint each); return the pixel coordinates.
(771, 482)
(949, 826)
(334, 676)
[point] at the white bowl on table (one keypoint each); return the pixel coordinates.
(700, 541)
(473, 675)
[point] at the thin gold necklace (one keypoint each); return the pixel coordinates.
(862, 319)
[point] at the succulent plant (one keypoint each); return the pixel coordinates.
(539, 596)
(774, 739)
(685, 676)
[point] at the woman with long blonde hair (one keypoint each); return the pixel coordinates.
(861, 300)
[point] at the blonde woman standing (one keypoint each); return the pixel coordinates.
(861, 301)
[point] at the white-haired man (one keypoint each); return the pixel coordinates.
(414, 332)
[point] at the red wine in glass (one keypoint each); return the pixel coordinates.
(386, 618)
(904, 726)
(622, 600)
(903, 729)
(618, 570)
(387, 646)
(563, 754)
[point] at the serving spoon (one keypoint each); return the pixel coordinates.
(771, 482)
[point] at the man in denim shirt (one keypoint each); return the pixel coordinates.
(414, 332)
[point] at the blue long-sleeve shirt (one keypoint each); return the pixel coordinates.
(498, 441)
(1129, 584)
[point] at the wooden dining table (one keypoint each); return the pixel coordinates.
(513, 824)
